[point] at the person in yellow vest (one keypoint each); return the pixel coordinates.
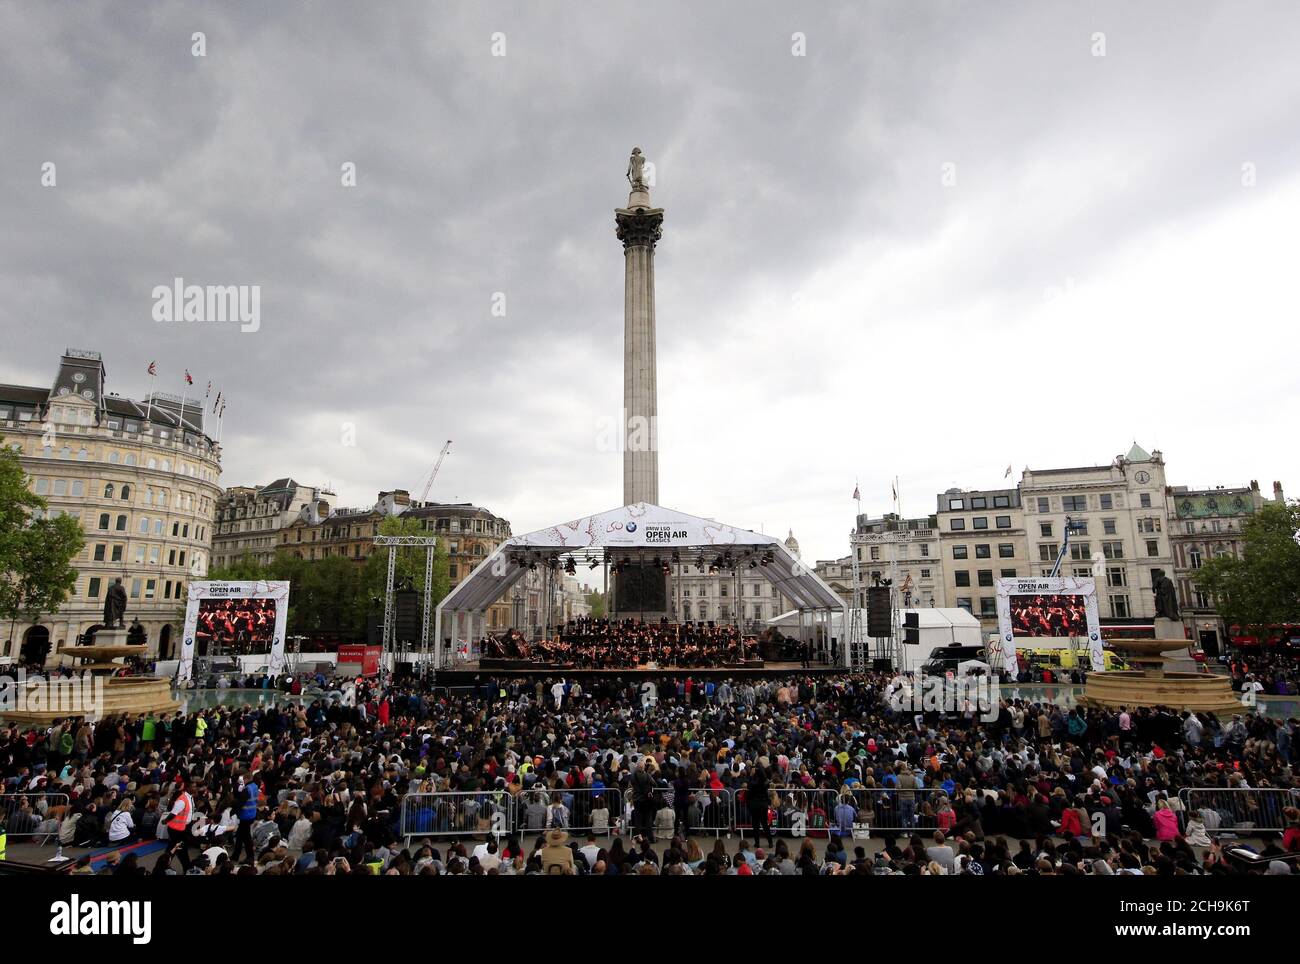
(178, 823)
(200, 728)
(4, 838)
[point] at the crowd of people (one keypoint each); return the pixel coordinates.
(591, 643)
(820, 771)
(1266, 673)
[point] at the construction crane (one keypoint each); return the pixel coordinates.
(433, 473)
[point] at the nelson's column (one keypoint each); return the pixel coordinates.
(639, 227)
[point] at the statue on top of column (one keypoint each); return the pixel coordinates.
(636, 170)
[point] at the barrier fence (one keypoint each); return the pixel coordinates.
(793, 812)
(1240, 809)
(31, 814)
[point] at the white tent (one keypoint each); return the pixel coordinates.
(640, 529)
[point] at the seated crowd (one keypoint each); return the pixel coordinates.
(588, 643)
(827, 765)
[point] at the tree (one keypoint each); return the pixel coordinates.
(596, 600)
(36, 575)
(244, 569)
(1262, 588)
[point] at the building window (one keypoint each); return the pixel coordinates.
(1042, 504)
(961, 578)
(1106, 501)
(1119, 607)
(1194, 557)
(980, 522)
(135, 588)
(1006, 550)
(93, 590)
(1007, 573)
(101, 549)
(1001, 501)
(875, 553)
(149, 588)
(955, 505)
(117, 553)
(1081, 551)
(1144, 500)
(925, 573)
(1047, 551)
(959, 552)
(1080, 526)
(1045, 529)
(958, 525)
(1153, 547)
(1003, 522)
(1202, 599)
(979, 502)
(1074, 503)
(1108, 527)
(988, 607)
(121, 523)
(986, 577)
(108, 491)
(1113, 550)
(983, 551)
(925, 550)
(963, 602)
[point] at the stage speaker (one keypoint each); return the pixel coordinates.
(880, 621)
(404, 670)
(374, 628)
(882, 665)
(406, 614)
(911, 628)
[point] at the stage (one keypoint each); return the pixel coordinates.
(466, 673)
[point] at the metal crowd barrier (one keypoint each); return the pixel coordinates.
(457, 812)
(795, 811)
(896, 810)
(1240, 809)
(705, 810)
(28, 814)
(582, 810)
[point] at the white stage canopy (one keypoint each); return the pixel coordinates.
(641, 529)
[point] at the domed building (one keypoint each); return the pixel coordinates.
(792, 544)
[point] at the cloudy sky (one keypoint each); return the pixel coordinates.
(948, 237)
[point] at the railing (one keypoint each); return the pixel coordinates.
(457, 812)
(893, 809)
(705, 810)
(29, 814)
(1241, 809)
(584, 810)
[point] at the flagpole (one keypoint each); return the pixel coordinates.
(148, 415)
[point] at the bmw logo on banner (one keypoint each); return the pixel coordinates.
(631, 527)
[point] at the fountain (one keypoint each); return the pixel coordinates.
(1152, 683)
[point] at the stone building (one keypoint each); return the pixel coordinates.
(1124, 511)
(469, 533)
(249, 519)
(913, 546)
(142, 478)
(741, 595)
(1205, 524)
(982, 539)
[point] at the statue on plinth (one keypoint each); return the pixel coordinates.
(636, 171)
(1166, 595)
(115, 606)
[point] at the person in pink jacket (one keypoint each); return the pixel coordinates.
(1166, 821)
